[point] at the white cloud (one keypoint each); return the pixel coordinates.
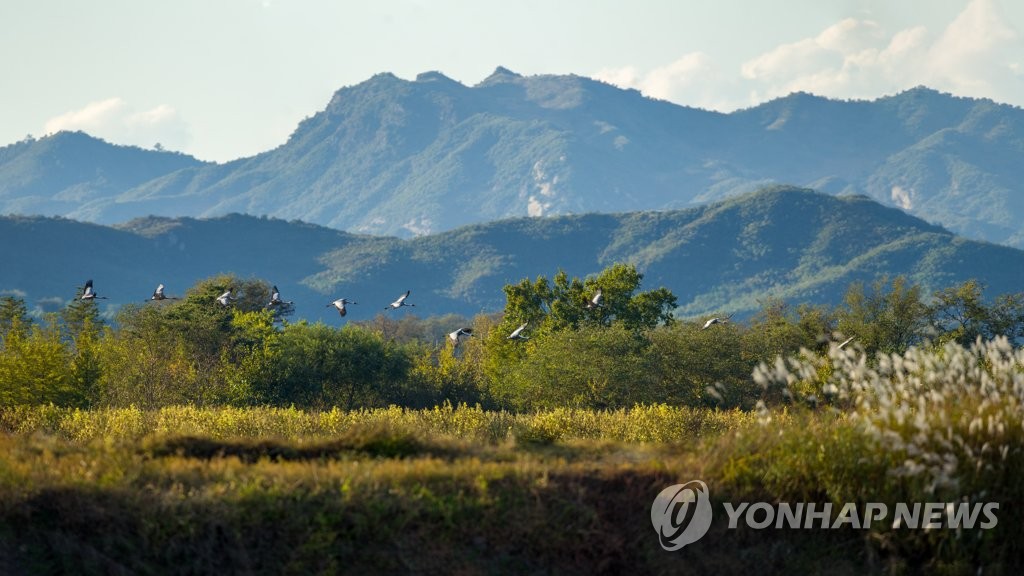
(827, 52)
(976, 30)
(93, 115)
(846, 59)
(678, 77)
(782, 61)
(693, 79)
(115, 120)
(977, 54)
(626, 77)
(974, 48)
(904, 44)
(858, 59)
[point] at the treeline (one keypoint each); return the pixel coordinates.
(626, 351)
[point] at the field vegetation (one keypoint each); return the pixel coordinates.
(190, 437)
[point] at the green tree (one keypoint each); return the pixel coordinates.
(35, 367)
(79, 315)
(779, 330)
(149, 372)
(563, 303)
(1006, 317)
(249, 359)
(86, 363)
(593, 366)
(317, 365)
(959, 313)
(890, 317)
(562, 324)
(410, 328)
(192, 350)
(703, 367)
(451, 374)
(13, 315)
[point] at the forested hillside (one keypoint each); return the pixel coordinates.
(785, 243)
(405, 158)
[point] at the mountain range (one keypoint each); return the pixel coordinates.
(727, 256)
(420, 157)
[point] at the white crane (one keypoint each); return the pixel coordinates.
(845, 342)
(400, 302)
(716, 320)
(595, 302)
(457, 336)
(517, 334)
(88, 293)
(158, 294)
(340, 305)
(275, 298)
(225, 298)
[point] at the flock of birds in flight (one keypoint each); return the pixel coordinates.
(225, 299)
(456, 337)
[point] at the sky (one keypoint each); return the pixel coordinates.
(225, 79)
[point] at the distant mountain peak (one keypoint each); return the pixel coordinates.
(501, 74)
(150, 226)
(800, 98)
(70, 136)
(389, 151)
(382, 81)
(922, 89)
(80, 138)
(434, 76)
(383, 76)
(785, 242)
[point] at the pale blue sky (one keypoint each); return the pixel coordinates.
(222, 79)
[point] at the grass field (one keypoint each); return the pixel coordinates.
(452, 490)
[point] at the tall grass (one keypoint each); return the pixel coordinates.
(934, 424)
(654, 423)
(951, 418)
(452, 487)
(445, 490)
